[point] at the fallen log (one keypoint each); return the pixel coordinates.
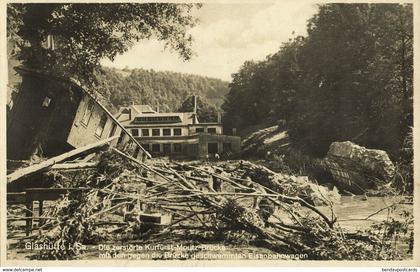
(45, 165)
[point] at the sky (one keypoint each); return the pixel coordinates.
(225, 37)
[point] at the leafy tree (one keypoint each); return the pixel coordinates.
(86, 33)
(263, 92)
(352, 65)
(166, 90)
(351, 78)
(205, 112)
(241, 100)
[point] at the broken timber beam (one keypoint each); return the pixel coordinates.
(50, 162)
(140, 163)
(74, 165)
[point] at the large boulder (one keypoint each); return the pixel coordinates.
(356, 168)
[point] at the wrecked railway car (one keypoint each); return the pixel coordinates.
(50, 115)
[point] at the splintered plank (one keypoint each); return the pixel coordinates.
(50, 162)
(41, 194)
(74, 165)
(156, 218)
(16, 198)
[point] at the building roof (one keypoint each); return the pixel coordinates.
(159, 118)
(143, 109)
(145, 115)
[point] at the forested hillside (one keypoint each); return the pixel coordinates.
(166, 90)
(350, 78)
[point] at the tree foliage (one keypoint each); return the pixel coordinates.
(166, 90)
(86, 33)
(205, 111)
(351, 78)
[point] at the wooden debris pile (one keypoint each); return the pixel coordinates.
(124, 199)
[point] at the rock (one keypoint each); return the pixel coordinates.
(356, 168)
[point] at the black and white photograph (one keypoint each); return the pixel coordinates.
(224, 131)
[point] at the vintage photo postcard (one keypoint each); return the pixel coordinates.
(212, 133)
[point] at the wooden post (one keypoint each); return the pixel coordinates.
(29, 213)
(128, 211)
(40, 210)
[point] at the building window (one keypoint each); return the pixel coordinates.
(121, 138)
(46, 102)
(155, 132)
(113, 129)
(135, 132)
(199, 130)
(128, 145)
(166, 132)
(13, 97)
(166, 148)
(145, 132)
(177, 148)
(156, 148)
(177, 131)
(212, 148)
(146, 147)
(211, 130)
(101, 125)
(50, 42)
(88, 112)
(150, 119)
(136, 152)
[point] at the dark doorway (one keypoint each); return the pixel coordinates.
(166, 148)
(155, 148)
(212, 148)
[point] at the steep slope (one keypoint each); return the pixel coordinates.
(166, 90)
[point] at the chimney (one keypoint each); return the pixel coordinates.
(219, 118)
(129, 113)
(157, 108)
(194, 104)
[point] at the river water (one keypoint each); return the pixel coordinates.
(353, 211)
(359, 213)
